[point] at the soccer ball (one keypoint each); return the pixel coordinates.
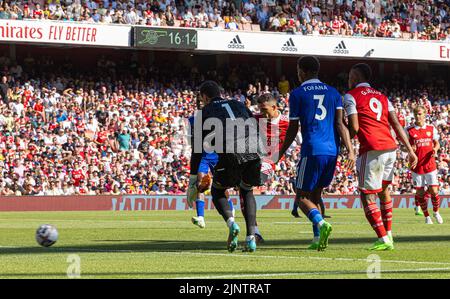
(46, 235)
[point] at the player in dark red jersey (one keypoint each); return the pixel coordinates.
(425, 141)
(370, 115)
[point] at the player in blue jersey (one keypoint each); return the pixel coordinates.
(318, 108)
(206, 167)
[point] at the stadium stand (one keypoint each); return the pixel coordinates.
(119, 128)
(405, 19)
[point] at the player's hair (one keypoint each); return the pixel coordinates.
(210, 88)
(364, 70)
(419, 107)
(309, 64)
(266, 97)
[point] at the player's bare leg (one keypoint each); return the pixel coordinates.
(373, 215)
(436, 201)
(309, 204)
(386, 210)
(423, 202)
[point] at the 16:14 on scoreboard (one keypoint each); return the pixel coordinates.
(165, 38)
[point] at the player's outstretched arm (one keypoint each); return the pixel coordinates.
(436, 144)
(393, 121)
(291, 134)
(345, 136)
(353, 125)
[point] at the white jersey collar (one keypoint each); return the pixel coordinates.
(311, 81)
(364, 84)
(422, 127)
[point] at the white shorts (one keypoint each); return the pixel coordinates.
(426, 179)
(375, 168)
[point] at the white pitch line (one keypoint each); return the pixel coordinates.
(309, 273)
(65, 249)
(300, 257)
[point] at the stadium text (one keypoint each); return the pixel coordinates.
(14, 32)
(178, 202)
(444, 52)
(81, 34)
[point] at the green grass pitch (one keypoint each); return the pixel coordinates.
(165, 244)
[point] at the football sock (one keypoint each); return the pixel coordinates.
(316, 233)
(436, 201)
(221, 203)
(250, 210)
(230, 221)
(373, 215)
(200, 205)
(315, 217)
(257, 231)
(230, 202)
(385, 239)
(249, 238)
(241, 200)
(386, 215)
(295, 207)
(417, 201)
(423, 202)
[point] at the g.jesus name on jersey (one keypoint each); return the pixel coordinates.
(373, 109)
(422, 138)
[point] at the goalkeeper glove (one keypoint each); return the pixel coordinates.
(192, 192)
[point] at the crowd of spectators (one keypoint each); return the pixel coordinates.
(418, 19)
(121, 128)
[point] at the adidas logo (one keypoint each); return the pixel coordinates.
(369, 53)
(289, 46)
(236, 43)
(341, 49)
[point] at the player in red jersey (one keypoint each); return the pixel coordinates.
(370, 115)
(274, 125)
(425, 141)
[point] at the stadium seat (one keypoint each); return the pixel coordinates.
(247, 27)
(256, 27)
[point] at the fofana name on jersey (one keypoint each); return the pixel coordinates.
(315, 87)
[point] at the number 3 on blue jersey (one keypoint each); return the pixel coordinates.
(314, 105)
(320, 106)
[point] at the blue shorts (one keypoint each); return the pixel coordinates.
(208, 163)
(315, 172)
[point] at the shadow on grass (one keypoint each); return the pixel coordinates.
(140, 245)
